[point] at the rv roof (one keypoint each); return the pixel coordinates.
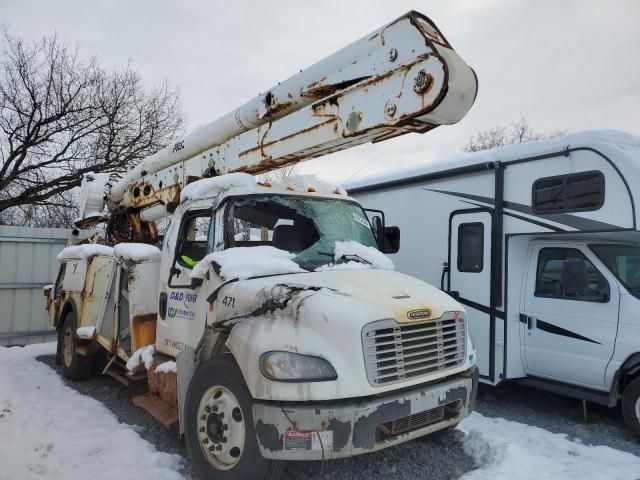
(613, 143)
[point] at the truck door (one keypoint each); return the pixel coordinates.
(470, 276)
(570, 314)
(188, 240)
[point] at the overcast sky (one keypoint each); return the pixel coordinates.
(568, 65)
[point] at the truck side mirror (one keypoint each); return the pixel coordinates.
(390, 240)
(196, 282)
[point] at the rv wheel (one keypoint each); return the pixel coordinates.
(631, 405)
(219, 431)
(74, 366)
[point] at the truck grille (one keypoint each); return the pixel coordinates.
(394, 351)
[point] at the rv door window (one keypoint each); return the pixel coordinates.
(566, 273)
(577, 192)
(470, 247)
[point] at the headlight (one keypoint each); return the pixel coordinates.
(294, 367)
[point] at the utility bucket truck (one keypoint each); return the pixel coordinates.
(270, 324)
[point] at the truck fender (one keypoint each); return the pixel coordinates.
(187, 362)
(186, 367)
(68, 306)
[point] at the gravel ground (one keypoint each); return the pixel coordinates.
(408, 461)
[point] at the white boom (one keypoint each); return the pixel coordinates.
(404, 77)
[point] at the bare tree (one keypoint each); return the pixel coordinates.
(62, 116)
(517, 132)
(278, 175)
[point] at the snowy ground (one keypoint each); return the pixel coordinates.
(48, 430)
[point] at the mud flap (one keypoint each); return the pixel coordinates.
(157, 408)
(186, 367)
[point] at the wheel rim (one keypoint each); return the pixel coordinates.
(221, 428)
(67, 346)
(638, 409)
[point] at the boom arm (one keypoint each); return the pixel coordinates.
(404, 77)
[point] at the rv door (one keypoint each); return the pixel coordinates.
(469, 278)
(570, 315)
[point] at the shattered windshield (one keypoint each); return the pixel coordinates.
(306, 227)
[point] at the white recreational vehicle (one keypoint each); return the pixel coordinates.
(541, 242)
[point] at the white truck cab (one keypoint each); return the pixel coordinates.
(293, 336)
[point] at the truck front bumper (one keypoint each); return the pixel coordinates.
(326, 430)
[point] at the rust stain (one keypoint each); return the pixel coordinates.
(143, 330)
(165, 385)
(263, 144)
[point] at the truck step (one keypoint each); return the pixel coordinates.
(158, 408)
(117, 376)
(135, 377)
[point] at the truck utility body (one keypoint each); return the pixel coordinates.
(270, 323)
(540, 242)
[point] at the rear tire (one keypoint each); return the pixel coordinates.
(74, 366)
(631, 405)
(219, 430)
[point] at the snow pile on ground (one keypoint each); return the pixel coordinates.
(86, 332)
(246, 262)
(47, 430)
(167, 367)
(309, 183)
(138, 252)
(374, 257)
(140, 356)
(209, 187)
(84, 251)
(506, 450)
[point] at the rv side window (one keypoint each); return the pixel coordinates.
(577, 192)
(470, 247)
(567, 274)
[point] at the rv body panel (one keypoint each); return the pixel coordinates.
(540, 185)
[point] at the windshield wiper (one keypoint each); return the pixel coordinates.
(353, 256)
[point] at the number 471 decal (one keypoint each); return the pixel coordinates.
(229, 302)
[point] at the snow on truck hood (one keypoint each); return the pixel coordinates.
(271, 280)
(363, 295)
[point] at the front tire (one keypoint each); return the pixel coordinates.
(74, 366)
(219, 430)
(631, 405)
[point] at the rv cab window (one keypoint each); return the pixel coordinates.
(567, 274)
(577, 192)
(470, 247)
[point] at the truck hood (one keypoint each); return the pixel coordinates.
(366, 293)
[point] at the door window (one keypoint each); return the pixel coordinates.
(566, 273)
(471, 247)
(195, 240)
